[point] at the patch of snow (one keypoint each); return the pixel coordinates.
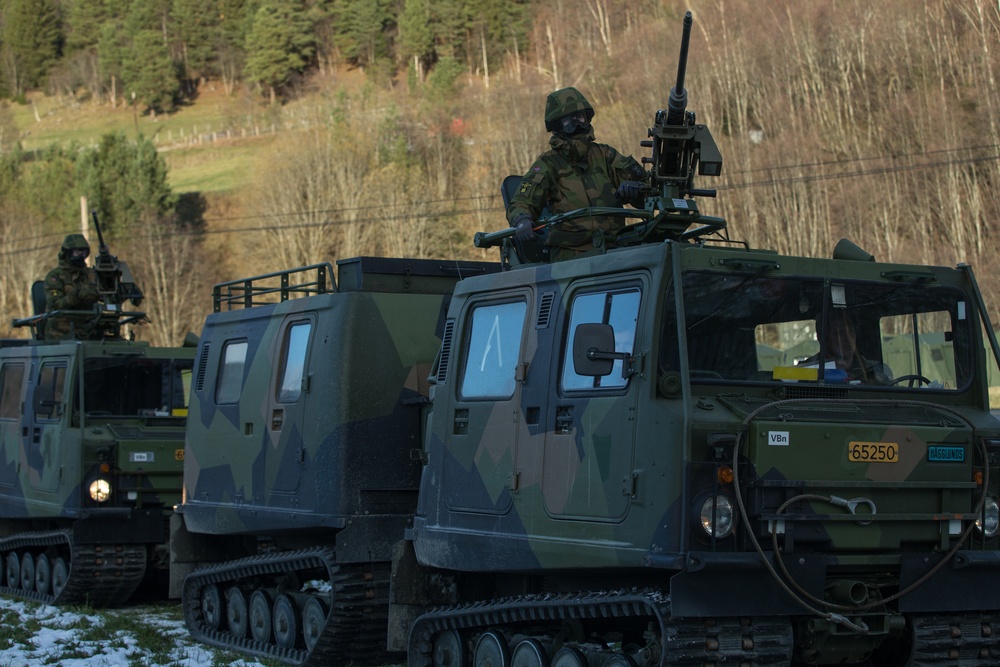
(59, 642)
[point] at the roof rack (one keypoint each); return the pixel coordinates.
(274, 287)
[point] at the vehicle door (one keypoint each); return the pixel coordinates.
(481, 448)
(287, 402)
(588, 454)
(43, 423)
(12, 376)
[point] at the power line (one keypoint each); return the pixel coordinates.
(900, 156)
(856, 174)
(792, 180)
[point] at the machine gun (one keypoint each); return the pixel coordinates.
(115, 285)
(680, 147)
(114, 279)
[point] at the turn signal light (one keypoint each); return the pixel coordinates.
(725, 475)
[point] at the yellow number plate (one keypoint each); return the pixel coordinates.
(178, 454)
(873, 452)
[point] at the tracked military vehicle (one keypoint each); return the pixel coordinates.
(91, 449)
(686, 451)
(303, 454)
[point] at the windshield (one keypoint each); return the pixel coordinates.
(136, 387)
(758, 328)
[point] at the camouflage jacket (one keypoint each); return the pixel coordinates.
(576, 173)
(67, 288)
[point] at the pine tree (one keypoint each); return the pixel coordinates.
(235, 22)
(196, 24)
(361, 29)
(148, 72)
(31, 42)
(84, 20)
(416, 34)
(125, 182)
(112, 50)
(279, 44)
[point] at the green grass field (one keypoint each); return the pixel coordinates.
(196, 163)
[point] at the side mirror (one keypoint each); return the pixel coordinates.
(594, 349)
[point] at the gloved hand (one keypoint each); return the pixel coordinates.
(525, 228)
(87, 294)
(630, 192)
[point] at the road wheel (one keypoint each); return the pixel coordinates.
(43, 574)
(13, 570)
(236, 612)
(448, 650)
(286, 621)
(313, 622)
(260, 616)
(491, 650)
(60, 575)
(211, 607)
(529, 653)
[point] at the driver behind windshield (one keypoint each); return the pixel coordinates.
(843, 352)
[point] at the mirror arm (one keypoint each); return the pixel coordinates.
(629, 365)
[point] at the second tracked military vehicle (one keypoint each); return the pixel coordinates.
(303, 454)
(91, 449)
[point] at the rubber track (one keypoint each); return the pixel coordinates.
(99, 575)
(683, 641)
(356, 626)
(956, 640)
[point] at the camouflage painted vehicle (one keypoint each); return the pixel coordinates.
(679, 453)
(91, 451)
(302, 459)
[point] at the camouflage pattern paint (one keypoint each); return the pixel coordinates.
(544, 479)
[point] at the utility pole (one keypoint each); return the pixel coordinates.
(84, 218)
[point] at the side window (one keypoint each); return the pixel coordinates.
(494, 350)
(921, 344)
(293, 362)
(230, 385)
(11, 380)
(49, 392)
(618, 308)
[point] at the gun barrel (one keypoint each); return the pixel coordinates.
(678, 96)
(103, 249)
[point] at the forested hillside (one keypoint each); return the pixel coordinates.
(396, 121)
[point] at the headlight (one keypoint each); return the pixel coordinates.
(717, 516)
(988, 522)
(100, 490)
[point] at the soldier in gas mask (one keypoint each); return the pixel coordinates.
(576, 173)
(69, 286)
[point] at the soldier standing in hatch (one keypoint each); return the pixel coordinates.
(576, 173)
(69, 286)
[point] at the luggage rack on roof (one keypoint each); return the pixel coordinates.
(273, 287)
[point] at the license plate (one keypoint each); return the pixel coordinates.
(873, 452)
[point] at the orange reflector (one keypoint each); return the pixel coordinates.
(977, 477)
(105, 468)
(725, 475)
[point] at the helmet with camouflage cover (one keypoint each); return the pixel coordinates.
(75, 248)
(564, 102)
(75, 242)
